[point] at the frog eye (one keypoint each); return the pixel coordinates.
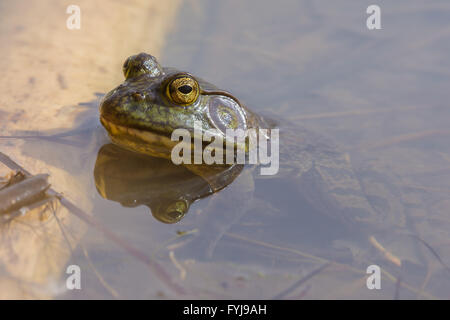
(183, 90)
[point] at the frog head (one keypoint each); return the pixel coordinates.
(142, 112)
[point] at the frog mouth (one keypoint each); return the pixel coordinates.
(146, 141)
(139, 140)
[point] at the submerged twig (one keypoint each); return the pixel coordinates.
(298, 283)
(7, 217)
(13, 178)
(433, 252)
(53, 139)
(23, 193)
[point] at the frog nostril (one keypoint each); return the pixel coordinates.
(138, 96)
(185, 89)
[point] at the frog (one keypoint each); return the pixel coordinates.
(141, 114)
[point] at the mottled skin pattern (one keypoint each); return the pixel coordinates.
(140, 115)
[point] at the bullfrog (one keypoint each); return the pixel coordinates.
(142, 112)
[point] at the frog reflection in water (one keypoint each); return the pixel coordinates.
(141, 114)
(134, 179)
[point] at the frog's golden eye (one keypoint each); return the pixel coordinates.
(183, 90)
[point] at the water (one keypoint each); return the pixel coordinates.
(380, 94)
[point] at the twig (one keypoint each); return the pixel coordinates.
(8, 217)
(298, 283)
(433, 252)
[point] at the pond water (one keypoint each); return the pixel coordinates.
(380, 95)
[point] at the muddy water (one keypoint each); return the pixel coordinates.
(379, 94)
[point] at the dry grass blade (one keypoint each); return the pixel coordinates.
(7, 217)
(433, 252)
(22, 193)
(386, 254)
